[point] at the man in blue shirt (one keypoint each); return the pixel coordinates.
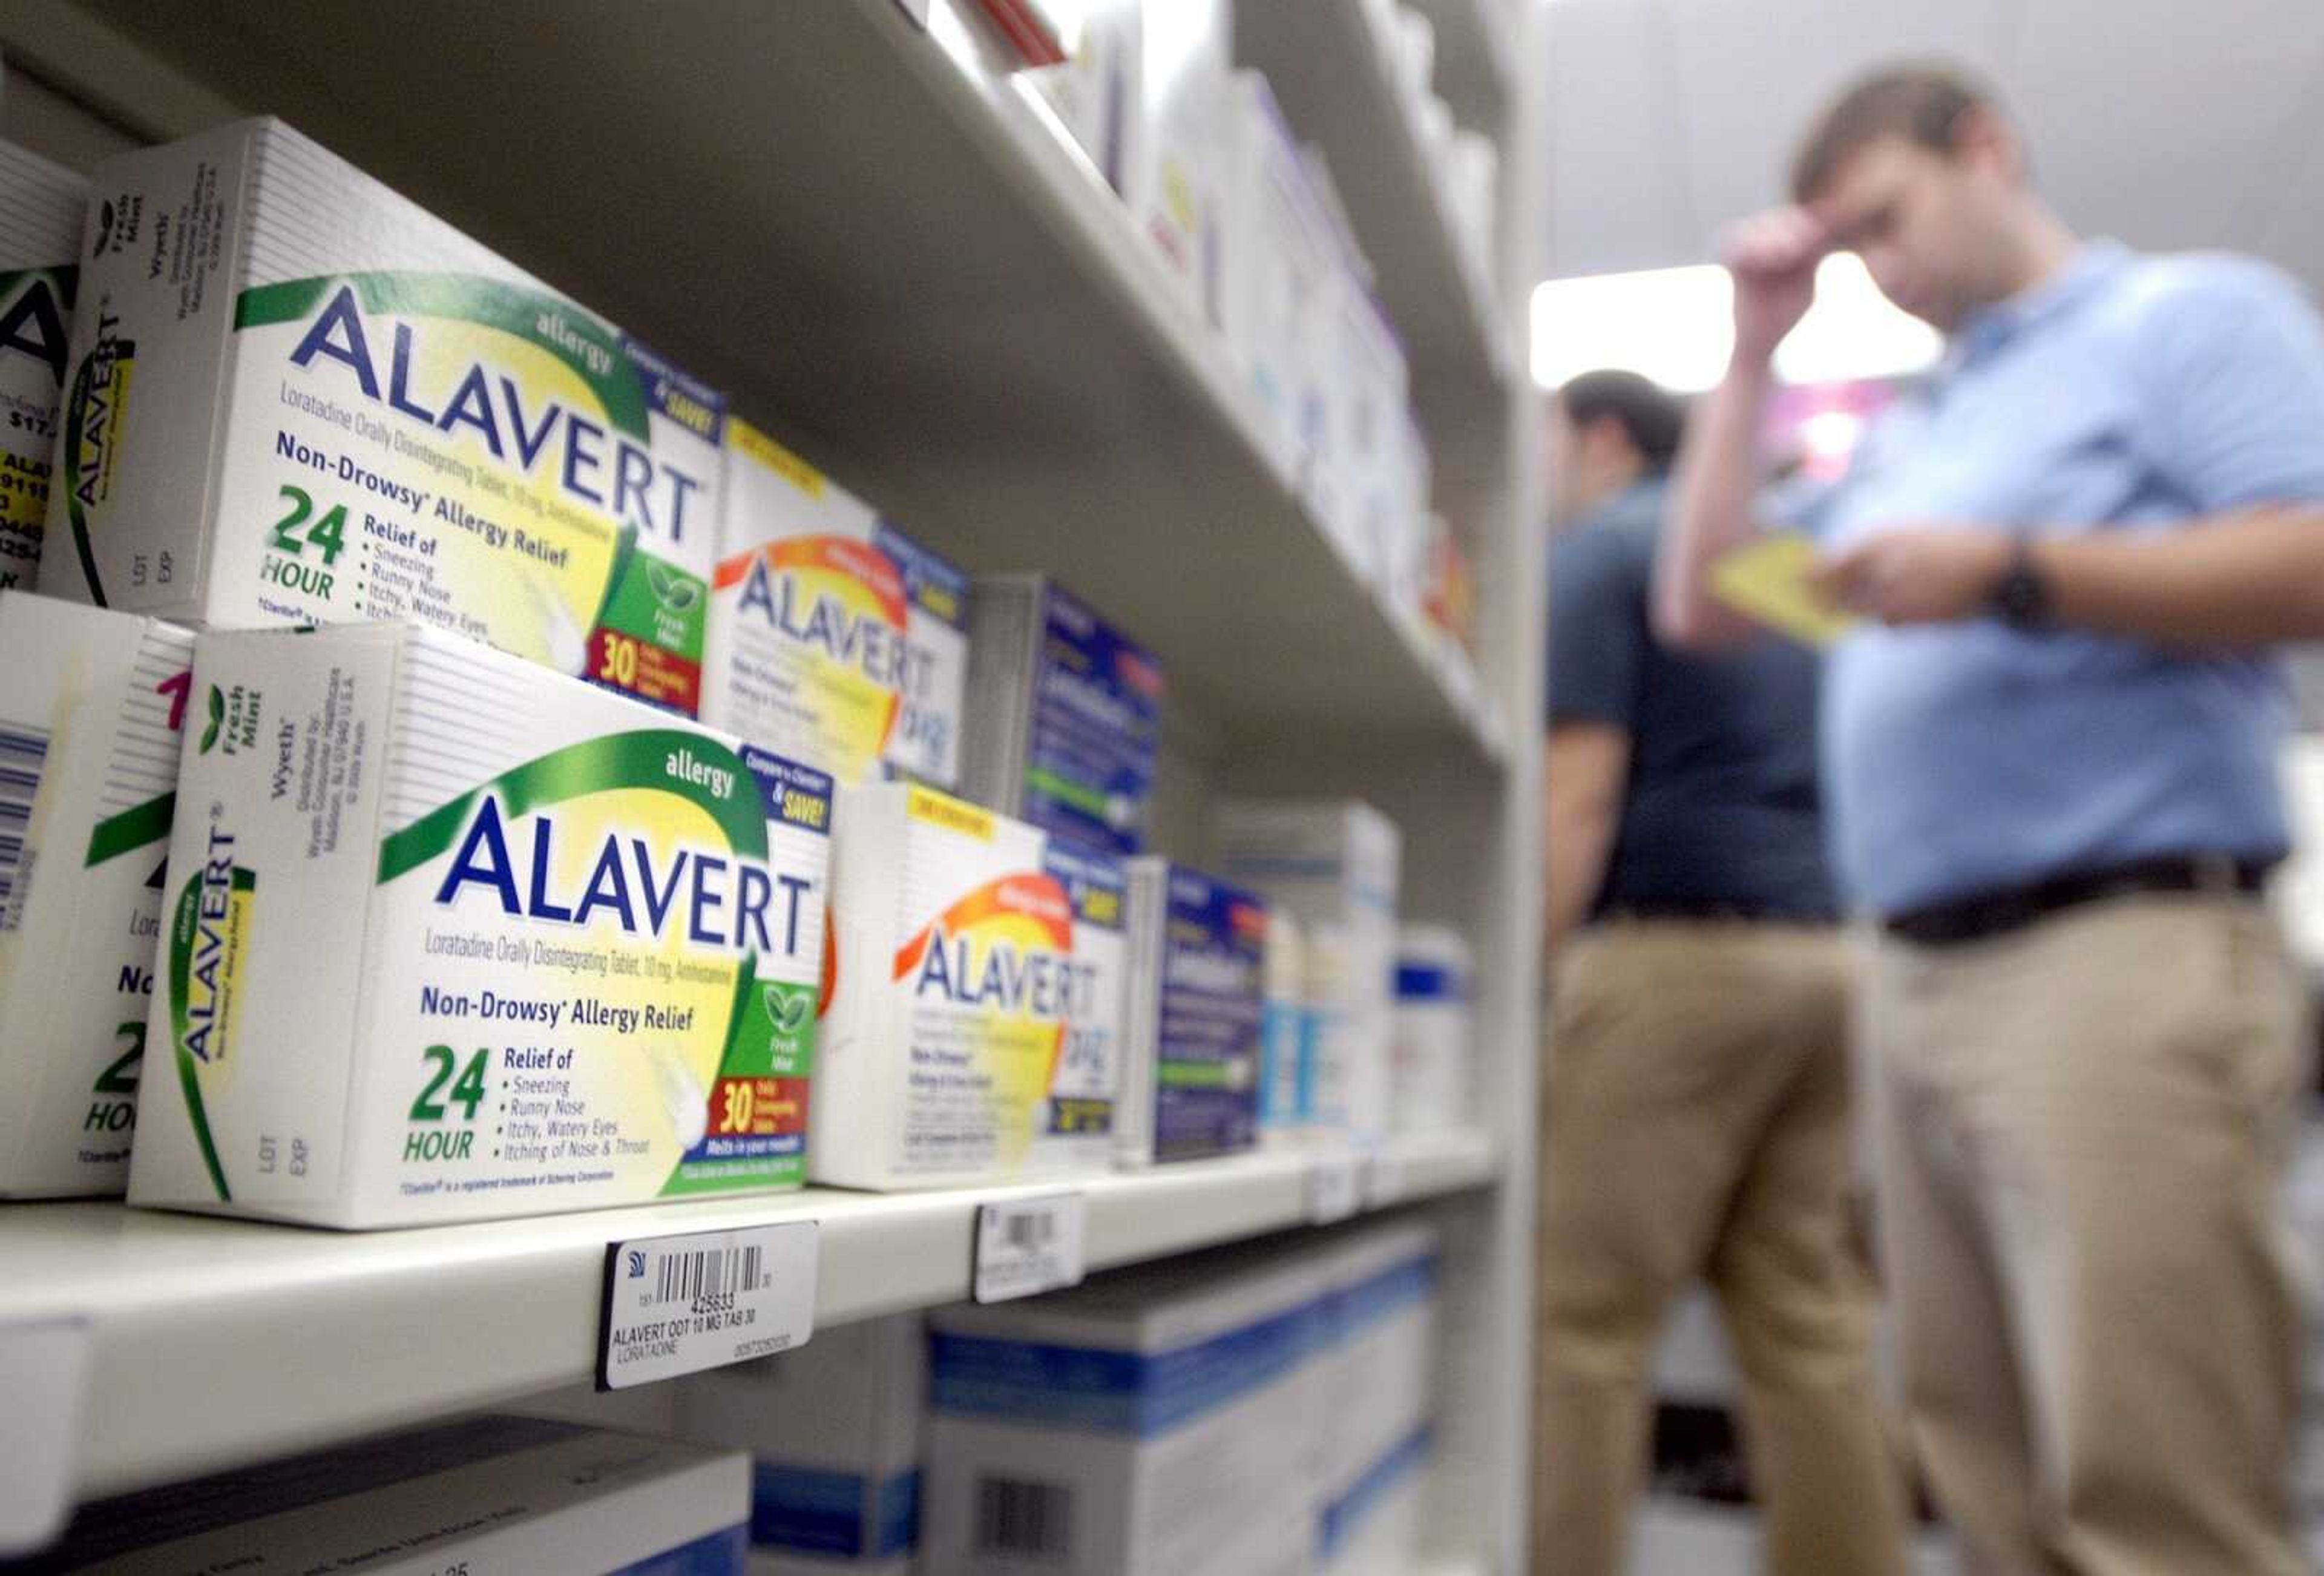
(2049, 751)
(1695, 1122)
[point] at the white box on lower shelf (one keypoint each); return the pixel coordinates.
(1146, 1424)
(514, 1494)
(833, 1432)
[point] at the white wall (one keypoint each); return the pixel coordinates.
(2169, 124)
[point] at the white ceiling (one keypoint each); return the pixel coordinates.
(2169, 124)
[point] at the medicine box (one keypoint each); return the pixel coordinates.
(1286, 1064)
(299, 398)
(1266, 1407)
(1141, 92)
(1332, 865)
(834, 637)
(1279, 262)
(89, 718)
(1065, 714)
(40, 213)
(834, 1431)
(1146, 1424)
(449, 937)
(488, 1494)
(973, 1025)
(1197, 951)
(1431, 1060)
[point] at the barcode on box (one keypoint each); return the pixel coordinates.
(1020, 1517)
(24, 757)
(711, 1273)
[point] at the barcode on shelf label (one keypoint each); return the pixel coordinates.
(1336, 1188)
(24, 757)
(1020, 1517)
(684, 1277)
(680, 1304)
(1026, 1245)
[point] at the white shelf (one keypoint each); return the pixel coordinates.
(864, 232)
(219, 1341)
(1332, 72)
(870, 240)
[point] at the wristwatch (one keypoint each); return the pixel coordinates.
(2021, 597)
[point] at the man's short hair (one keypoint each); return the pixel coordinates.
(1650, 415)
(1920, 103)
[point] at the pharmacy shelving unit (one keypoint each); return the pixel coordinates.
(854, 219)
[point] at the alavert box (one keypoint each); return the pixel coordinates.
(296, 398)
(449, 937)
(973, 1023)
(88, 771)
(40, 210)
(834, 638)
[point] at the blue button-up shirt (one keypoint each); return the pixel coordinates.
(2132, 394)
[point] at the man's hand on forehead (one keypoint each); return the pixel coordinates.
(1778, 241)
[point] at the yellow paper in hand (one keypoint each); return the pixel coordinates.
(1768, 581)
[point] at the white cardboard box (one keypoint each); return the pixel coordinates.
(1376, 1360)
(1333, 865)
(88, 770)
(41, 206)
(518, 1496)
(1279, 271)
(1182, 1416)
(973, 1030)
(447, 937)
(834, 1431)
(1141, 93)
(299, 398)
(1143, 1426)
(834, 637)
(1286, 1072)
(1432, 1057)
(1371, 432)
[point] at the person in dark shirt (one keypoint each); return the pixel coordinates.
(1695, 1118)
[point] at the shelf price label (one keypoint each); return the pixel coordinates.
(681, 1304)
(1336, 1188)
(1026, 1245)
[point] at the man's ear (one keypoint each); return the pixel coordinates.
(1984, 140)
(1606, 438)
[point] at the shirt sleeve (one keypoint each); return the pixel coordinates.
(2233, 368)
(1597, 628)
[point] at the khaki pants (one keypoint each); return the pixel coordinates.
(2083, 1129)
(1696, 1124)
